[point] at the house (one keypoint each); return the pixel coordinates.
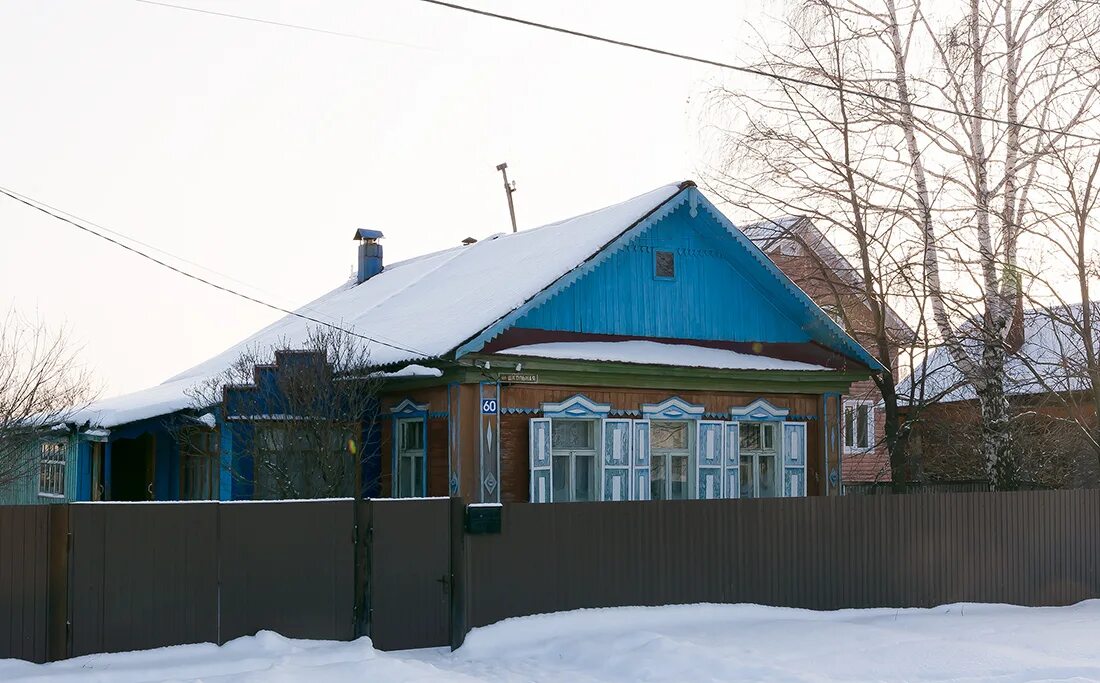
(814, 263)
(1049, 388)
(647, 350)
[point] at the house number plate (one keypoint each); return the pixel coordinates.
(489, 406)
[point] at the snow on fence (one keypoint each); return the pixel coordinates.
(427, 571)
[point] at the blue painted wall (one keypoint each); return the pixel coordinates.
(25, 490)
(713, 295)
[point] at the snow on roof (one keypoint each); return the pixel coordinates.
(656, 353)
(1051, 358)
(416, 309)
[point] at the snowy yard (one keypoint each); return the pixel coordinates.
(964, 642)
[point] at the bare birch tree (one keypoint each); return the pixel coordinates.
(42, 383)
(828, 156)
(1006, 81)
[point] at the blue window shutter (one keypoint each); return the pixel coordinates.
(640, 466)
(542, 474)
(732, 460)
(616, 459)
(794, 459)
(708, 458)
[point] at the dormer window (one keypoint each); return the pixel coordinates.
(664, 265)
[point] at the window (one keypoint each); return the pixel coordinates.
(759, 460)
(51, 469)
(410, 458)
(199, 464)
(859, 426)
(664, 265)
(671, 460)
(303, 460)
(573, 445)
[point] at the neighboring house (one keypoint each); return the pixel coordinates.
(814, 263)
(645, 350)
(1049, 390)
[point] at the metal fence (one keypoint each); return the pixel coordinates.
(89, 578)
(1027, 548)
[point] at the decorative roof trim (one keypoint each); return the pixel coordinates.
(565, 281)
(409, 407)
(760, 409)
(578, 406)
(674, 408)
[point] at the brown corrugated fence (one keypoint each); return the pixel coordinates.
(1028, 548)
(88, 578)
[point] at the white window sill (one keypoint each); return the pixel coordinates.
(51, 495)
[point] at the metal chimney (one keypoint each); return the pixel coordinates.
(370, 254)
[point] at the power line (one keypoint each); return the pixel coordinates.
(124, 236)
(241, 17)
(744, 69)
(34, 204)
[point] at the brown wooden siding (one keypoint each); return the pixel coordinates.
(436, 399)
(437, 456)
(514, 458)
(514, 427)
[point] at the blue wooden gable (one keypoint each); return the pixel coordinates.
(723, 288)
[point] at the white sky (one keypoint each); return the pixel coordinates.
(256, 150)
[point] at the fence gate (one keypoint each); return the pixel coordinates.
(409, 575)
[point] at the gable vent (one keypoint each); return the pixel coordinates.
(664, 264)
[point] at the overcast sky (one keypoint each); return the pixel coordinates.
(255, 151)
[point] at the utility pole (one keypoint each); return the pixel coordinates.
(509, 188)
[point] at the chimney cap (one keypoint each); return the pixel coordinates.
(469, 240)
(365, 234)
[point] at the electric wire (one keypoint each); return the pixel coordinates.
(748, 70)
(34, 204)
(270, 22)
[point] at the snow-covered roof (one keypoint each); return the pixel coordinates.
(1051, 359)
(656, 353)
(416, 309)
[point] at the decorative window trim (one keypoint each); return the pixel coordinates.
(52, 469)
(419, 488)
(410, 407)
(578, 406)
(674, 408)
(760, 409)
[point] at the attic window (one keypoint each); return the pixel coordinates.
(664, 265)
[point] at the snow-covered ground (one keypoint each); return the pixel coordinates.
(962, 642)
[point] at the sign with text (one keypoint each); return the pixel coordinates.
(519, 378)
(489, 406)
